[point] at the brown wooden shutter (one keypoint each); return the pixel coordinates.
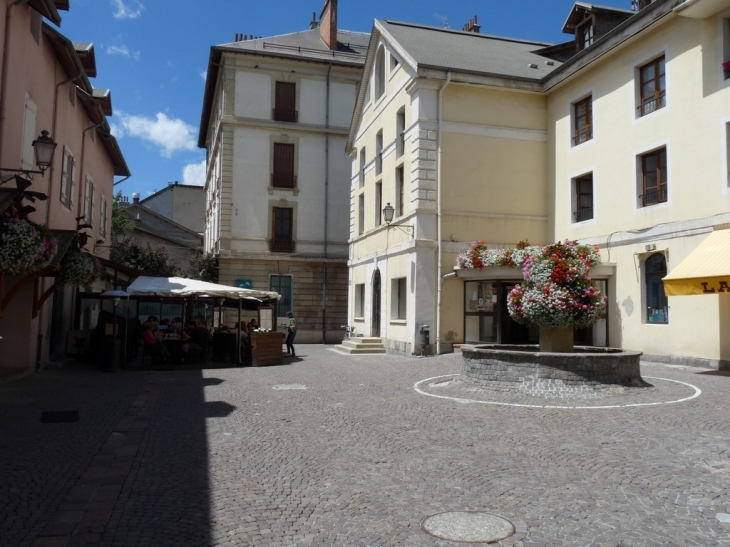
(283, 224)
(285, 106)
(283, 165)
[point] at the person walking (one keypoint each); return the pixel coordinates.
(292, 332)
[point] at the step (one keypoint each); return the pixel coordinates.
(369, 350)
(359, 344)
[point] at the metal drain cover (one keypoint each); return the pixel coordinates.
(468, 527)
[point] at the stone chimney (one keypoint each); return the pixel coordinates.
(472, 26)
(328, 24)
(135, 197)
(313, 23)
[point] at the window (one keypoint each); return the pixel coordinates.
(362, 167)
(654, 177)
(102, 216)
(652, 87)
(281, 232)
(379, 153)
(583, 121)
(725, 60)
(379, 73)
(89, 201)
(68, 178)
(361, 214)
(400, 132)
(378, 204)
(360, 300)
(282, 284)
(583, 198)
(27, 160)
(285, 102)
(400, 294)
(399, 195)
(283, 176)
(655, 268)
(585, 34)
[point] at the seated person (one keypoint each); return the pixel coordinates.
(252, 325)
(153, 342)
(164, 325)
(199, 336)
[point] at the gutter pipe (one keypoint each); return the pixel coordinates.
(439, 279)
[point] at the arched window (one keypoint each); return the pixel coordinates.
(655, 268)
(379, 73)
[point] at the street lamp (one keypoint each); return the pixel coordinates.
(116, 298)
(43, 147)
(388, 212)
(100, 242)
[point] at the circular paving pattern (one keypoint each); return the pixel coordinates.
(468, 527)
(454, 387)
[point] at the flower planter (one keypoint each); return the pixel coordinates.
(556, 340)
(266, 348)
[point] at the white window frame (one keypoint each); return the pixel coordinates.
(399, 299)
(89, 200)
(359, 301)
(27, 159)
(68, 179)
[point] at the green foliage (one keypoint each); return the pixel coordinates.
(120, 222)
(153, 261)
(204, 267)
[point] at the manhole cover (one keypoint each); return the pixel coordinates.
(59, 416)
(468, 527)
(286, 387)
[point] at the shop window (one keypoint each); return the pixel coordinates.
(360, 300)
(655, 269)
(399, 292)
(583, 198)
(652, 87)
(284, 285)
(583, 121)
(654, 177)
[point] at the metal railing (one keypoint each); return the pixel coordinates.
(583, 135)
(651, 104)
(653, 197)
(583, 214)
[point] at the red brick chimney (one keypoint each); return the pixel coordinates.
(328, 24)
(472, 26)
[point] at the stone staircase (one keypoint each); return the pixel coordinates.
(361, 345)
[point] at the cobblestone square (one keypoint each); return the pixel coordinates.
(331, 449)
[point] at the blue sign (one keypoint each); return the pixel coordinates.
(244, 284)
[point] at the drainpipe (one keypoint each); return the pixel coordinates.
(439, 279)
(326, 203)
(4, 75)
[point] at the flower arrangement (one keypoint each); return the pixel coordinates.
(79, 268)
(557, 291)
(263, 331)
(24, 245)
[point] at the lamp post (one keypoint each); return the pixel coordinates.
(116, 296)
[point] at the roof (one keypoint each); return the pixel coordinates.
(49, 9)
(181, 286)
(171, 187)
(302, 46)
(577, 14)
(469, 52)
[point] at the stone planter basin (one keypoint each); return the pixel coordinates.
(524, 368)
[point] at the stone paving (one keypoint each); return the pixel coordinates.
(341, 450)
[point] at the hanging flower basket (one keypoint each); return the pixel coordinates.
(25, 246)
(78, 269)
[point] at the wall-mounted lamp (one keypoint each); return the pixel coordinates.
(43, 147)
(388, 212)
(100, 242)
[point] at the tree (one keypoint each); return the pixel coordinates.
(204, 267)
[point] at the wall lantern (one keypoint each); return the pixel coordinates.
(388, 212)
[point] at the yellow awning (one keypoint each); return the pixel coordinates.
(706, 270)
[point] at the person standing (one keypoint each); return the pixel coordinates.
(291, 333)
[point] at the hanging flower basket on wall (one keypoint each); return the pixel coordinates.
(78, 269)
(25, 246)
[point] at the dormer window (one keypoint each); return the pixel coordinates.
(585, 34)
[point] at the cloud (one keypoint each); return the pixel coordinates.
(204, 75)
(122, 51)
(194, 174)
(127, 9)
(170, 135)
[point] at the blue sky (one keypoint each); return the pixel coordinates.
(153, 55)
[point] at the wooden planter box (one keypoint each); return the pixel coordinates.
(266, 348)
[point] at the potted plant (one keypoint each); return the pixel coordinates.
(25, 246)
(78, 268)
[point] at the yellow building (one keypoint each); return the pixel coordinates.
(619, 137)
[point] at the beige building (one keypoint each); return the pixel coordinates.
(275, 119)
(619, 137)
(44, 86)
(184, 204)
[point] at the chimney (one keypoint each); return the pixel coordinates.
(313, 23)
(472, 26)
(135, 197)
(328, 24)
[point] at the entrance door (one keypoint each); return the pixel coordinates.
(375, 328)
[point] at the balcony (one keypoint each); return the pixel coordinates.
(652, 197)
(582, 135)
(285, 115)
(583, 214)
(652, 103)
(282, 245)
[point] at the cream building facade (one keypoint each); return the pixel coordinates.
(618, 138)
(275, 119)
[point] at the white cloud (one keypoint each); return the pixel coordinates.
(194, 174)
(116, 130)
(122, 51)
(169, 134)
(127, 9)
(204, 75)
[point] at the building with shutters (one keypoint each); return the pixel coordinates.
(274, 123)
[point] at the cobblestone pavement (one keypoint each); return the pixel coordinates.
(342, 450)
